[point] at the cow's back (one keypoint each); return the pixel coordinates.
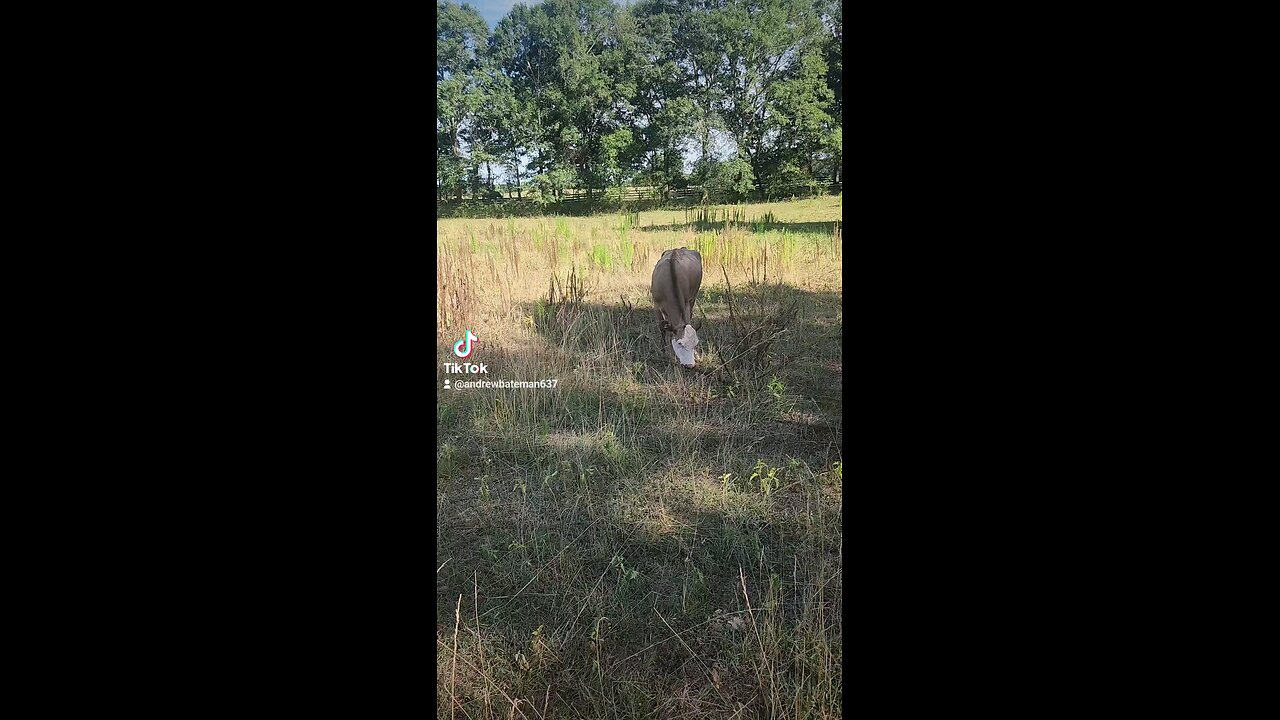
(687, 266)
(677, 277)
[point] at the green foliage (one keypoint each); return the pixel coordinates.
(767, 477)
(784, 178)
(586, 95)
(461, 39)
(617, 152)
(554, 182)
(731, 180)
(624, 573)
(461, 44)
(448, 457)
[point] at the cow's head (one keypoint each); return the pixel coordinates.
(685, 342)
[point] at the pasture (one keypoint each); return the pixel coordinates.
(643, 540)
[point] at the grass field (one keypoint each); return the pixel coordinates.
(643, 540)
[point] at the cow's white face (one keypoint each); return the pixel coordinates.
(685, 345)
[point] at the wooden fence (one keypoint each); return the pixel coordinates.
(695, 193)
(681, 195)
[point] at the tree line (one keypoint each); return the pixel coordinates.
(588, 95)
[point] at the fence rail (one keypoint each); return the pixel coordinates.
(642, 194)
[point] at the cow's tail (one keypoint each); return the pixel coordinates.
(675, 290)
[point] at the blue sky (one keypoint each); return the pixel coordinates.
(494, 10)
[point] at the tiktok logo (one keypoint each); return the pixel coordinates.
(458, 347)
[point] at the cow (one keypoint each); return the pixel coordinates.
(674, 286)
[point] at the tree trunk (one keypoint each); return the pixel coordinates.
(666, 169)
(653, 172)
(755, 170)
(457, 153)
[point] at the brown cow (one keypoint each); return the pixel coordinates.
(676, 280)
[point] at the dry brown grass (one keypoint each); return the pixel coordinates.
(642, 541)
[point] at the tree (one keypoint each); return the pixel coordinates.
(832, 18)
(461, 41)
(617, 156)
(753, 69)
(732, 180)
(770, 96)
(558, 55)
(799, 102)
(831, 12)
(582, 93)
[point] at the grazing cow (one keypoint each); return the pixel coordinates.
(675, 283)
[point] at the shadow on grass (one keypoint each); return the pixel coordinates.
(808, 350)
(642, 598)
(574, 543)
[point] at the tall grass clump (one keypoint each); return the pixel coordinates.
(627, 251)
(705, 217)
(602, 256)
(627, 248)
(456, 291)
(787, 244)
(560, 310)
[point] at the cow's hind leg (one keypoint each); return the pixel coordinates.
(662, 333)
